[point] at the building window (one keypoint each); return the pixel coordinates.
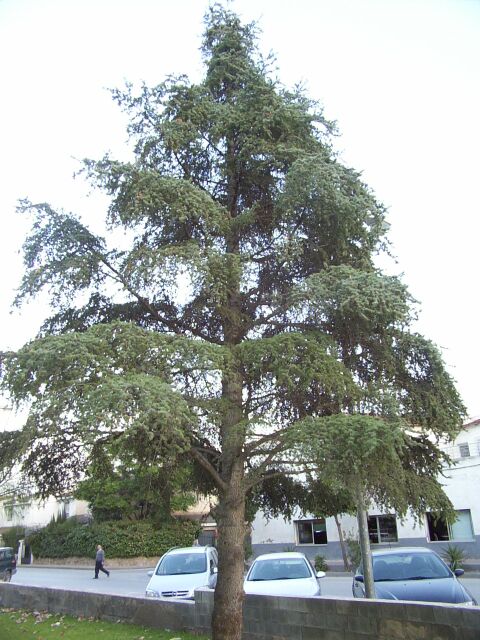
(382, 528)
(461, 529)
(15, 509)
(311, 531)
(8, 508)
(464, 450)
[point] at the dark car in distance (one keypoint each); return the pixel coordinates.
(413, 574)
(8, 564)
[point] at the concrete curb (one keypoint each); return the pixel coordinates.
(82, 567)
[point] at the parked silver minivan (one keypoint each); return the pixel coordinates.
(180, 571)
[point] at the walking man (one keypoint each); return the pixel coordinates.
(99, 560)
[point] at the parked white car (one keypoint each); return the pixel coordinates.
(283, 574)
(182, 570)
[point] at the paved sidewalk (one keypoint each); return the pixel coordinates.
(471, 570)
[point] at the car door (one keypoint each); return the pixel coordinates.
(213, 566)
(6, 564)
(358, 588)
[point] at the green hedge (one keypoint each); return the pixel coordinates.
(12, 536)
(119, 539)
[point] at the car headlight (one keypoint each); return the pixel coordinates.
(151, 593)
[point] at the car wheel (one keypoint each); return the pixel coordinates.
(7, 576)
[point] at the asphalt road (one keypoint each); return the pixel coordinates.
(132, 582)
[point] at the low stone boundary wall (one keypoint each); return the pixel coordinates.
(88, 563)
(265, 617)
(178, 616)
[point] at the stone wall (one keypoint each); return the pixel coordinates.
(179, 616)
(266, 617)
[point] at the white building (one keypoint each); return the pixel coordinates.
(18, 509)
(320, 536)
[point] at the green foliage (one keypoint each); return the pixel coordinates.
(393, 468)
(58, 518)
(119, 539)
(288, 548)
(247, 547)
(10, 443)
(353, 551)
(234, 185)
(12, 536)
(132, 491)
(454, 555)
(277, 495)
(81, 371)
(325, 499)
(320, 563)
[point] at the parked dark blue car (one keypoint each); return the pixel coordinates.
(413, 574)
(8, 564)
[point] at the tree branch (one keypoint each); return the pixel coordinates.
(208, 466)
(174, 326)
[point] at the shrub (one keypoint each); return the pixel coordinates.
(455, 556)
(12, 536)
(354, 552)
(320, 563)
(120, 539)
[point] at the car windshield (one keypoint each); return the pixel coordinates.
(182, 563)
(409, 566)
(281, 569)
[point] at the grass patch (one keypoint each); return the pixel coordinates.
(17, 625)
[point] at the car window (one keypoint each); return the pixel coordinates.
(281, 569)
(182, 563)
(404, 566)
(426, 566)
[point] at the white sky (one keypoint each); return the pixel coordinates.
(401, 77)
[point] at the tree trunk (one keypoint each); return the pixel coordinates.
(227, 618)
(365, 545)
(346, 563)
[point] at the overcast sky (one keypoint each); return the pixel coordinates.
(400, 77)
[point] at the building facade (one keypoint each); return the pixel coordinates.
(319, 536)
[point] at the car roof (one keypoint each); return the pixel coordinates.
(402, 550)
(281, 556)
(188, 550)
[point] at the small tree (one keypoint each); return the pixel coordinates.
(330, 499)
(135, 491)
(404, 401)
(375, 460)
